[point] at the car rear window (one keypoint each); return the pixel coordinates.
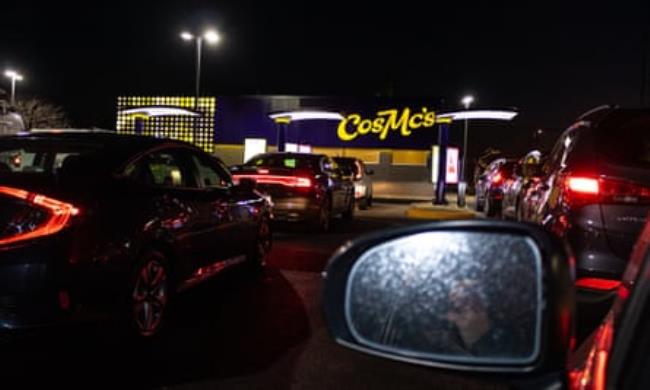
(286, 162)
(625, 143)
(36, 158)
(347, 164)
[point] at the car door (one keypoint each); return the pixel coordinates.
(173, 212)
(229, 233)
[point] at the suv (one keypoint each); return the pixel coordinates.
(357, 171)
(594, 190)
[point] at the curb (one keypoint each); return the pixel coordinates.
(438, 214)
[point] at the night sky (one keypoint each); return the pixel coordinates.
(550, 62)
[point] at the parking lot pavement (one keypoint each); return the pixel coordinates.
(234, 332)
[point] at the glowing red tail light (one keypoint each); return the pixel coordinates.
(583, 185)
(58, 215)
(289, 181)
(581, 190)
(497, 178)
(598, 284)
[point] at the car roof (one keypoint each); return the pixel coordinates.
(114, 147)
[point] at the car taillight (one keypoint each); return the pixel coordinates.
(359, 174)
(41, 216)
(582, 190)
(497, 178)
(598, 284)
(289, 181)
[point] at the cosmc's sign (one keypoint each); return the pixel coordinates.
(404, 122)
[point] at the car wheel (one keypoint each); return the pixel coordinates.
(263, 244)
(149, 295)
(492, 208)
(364, 203)
(480, 205)
(348, 214)
(323, 222)
(369, 200)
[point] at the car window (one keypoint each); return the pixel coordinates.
(26, 160)
(159, 169)
(208, 174)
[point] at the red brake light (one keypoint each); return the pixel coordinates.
(58, 214)
(496, 179)
(583, 185)
(289, 181)
(598, 284)
(581, 190)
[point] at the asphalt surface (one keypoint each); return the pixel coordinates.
(237, 331)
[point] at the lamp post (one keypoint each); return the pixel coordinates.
(14, 76)
(462, 184)
(211, 37)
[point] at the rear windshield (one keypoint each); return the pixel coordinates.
(348, 164)
(37, 158)
(286, 162)
(625, 143)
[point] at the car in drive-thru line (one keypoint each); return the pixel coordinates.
(492, 302)
(594, 191)
(95, 222)
(302, 187)
(359, 173)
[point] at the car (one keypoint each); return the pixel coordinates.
(358, 172)
(526, 171)
(501, 311)
(594, 190)
(490, 186)
(303, 187)
(100, 224)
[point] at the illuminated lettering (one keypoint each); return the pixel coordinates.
(342, 129)
(386, 121)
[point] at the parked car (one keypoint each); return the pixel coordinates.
(525, 173)
(357, 171)
(94, 222)
(594, 190)
(302, 187)
(500, 312)
(490, 186)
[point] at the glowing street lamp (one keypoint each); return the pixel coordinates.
(462, 185)
(212, 37)
(14, 76)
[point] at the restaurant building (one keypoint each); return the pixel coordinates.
(393, 136)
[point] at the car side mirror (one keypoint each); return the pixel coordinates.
(485, 296)
(370, 171)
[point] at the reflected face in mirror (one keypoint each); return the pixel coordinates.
(450, 296)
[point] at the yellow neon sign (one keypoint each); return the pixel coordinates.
(386, 121)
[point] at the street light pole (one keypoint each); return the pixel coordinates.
(199, 47)
(211, 37)
(14, 76)
(462, 184)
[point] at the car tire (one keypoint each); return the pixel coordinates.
(264, 242)
(364, 204)
(492, 208)
(150, 289)
(348, 214)
(480, 205)
(323, 222)
(369, 201)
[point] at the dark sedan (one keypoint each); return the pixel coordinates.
(93, 222)
(594, 191)
(302, 187)
(490, 186)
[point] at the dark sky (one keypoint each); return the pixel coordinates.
(551, 62)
